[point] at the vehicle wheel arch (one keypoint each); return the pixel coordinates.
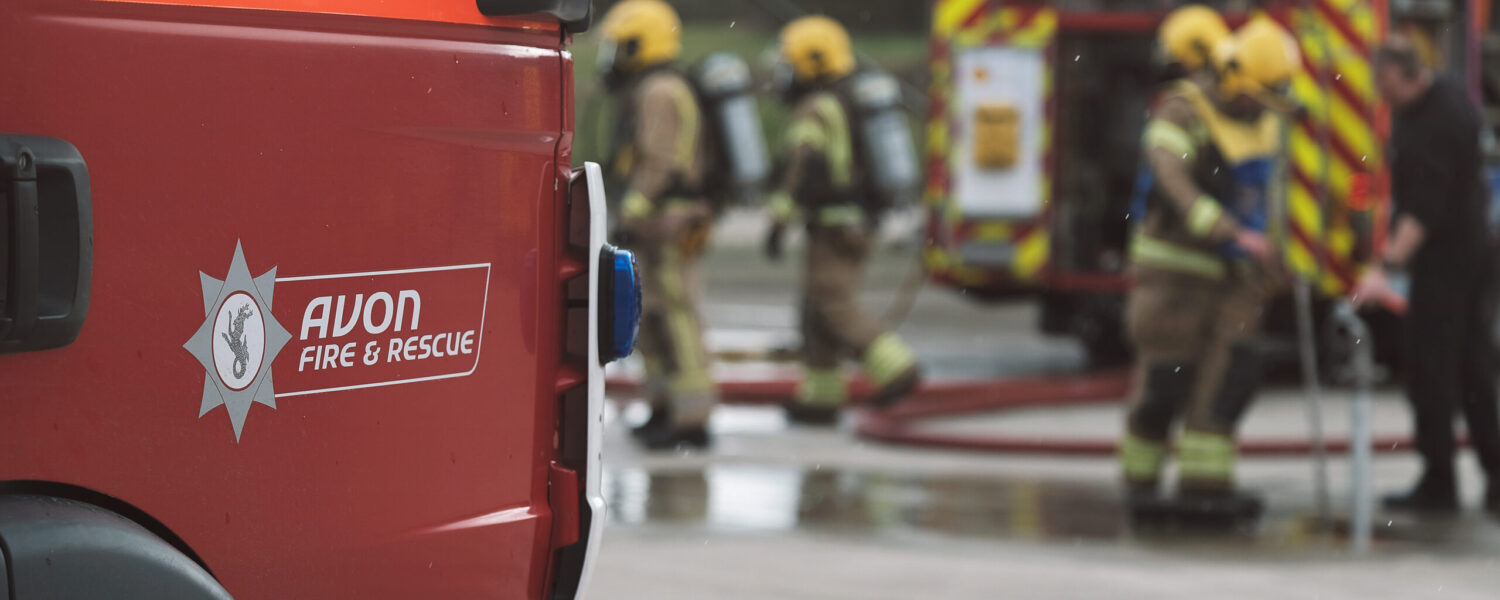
(109, 544)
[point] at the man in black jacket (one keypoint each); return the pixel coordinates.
(1440, 234)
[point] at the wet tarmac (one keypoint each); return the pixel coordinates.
(762, 498)
(778, 498)
(781, 500)
(775, 511)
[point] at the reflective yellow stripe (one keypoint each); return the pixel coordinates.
(887, 359)
(687, 127)
(1202, 216)
(994, 231)
(1031, 254)
(840, 150)
(1168, 136)
(1148, 251)
(782, 207)
(822, 387)
(1206, 457)
(635, 205)
(1141, 459)
(806, 132)
(841, 214)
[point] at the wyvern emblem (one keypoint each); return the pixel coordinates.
(237, 341)
(235, 337)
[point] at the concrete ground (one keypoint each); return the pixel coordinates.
(787, 512)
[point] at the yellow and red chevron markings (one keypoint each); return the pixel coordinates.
(1335, 144)
(959, 24)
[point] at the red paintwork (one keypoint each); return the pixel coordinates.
(446, 11)
(1125, 22)
(1105, 283)
(325, 144)
(1139, 22)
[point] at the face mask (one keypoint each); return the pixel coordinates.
(784, 82)
(607, 52)
(611, 69)
(782, 76)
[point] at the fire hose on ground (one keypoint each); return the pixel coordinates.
(902, 424)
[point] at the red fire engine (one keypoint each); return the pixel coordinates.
(1035, 114)
(299, 299)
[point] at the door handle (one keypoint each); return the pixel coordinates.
(18, 310)
(46, 243)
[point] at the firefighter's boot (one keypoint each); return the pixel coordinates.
(1205, 463)
(1163, 391)
(673, 438)
(820, 398)
(693, 399)
(1492, 498)
(1436, 492)
(1206, 492)
(893, 368)
(1141, 460)
(661, 418)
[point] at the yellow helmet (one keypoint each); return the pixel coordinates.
(1189, 35)
(1258, 61)
(639, 34)
(817, 48)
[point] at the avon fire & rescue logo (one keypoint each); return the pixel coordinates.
(361, 331)
(237, 341)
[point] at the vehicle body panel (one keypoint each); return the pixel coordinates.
(320, 145)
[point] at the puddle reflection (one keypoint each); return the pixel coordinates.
(777, 498)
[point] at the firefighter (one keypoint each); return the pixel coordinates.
(665, 220)
(1188, 38)
(824, 183)
(1202, 264)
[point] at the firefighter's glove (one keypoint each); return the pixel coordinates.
(781, 207)
(694, 241)
(638, 217)
(622, 237)
(1258, 247)
(775, 238)
(1373, 289)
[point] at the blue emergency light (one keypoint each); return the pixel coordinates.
(619, 303)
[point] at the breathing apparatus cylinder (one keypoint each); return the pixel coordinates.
(725, 88)
(890, 155)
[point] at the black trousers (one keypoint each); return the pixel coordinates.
(1451, 357)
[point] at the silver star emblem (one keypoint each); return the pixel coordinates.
(237, 341)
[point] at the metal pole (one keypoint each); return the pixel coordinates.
(1362, 496)
(1313, 393)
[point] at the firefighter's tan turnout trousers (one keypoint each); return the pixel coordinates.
(1195, 361)
(834, 326)
(671, 336)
